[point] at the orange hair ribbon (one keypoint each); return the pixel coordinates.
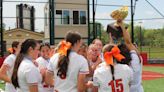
(10, 50)
(64, 46)
(115, 52)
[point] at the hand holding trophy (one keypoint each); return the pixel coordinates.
(116, 28)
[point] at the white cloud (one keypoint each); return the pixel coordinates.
(154, 23)
(149, 12)
(104, 15)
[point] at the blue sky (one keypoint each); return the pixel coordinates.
(143, 10)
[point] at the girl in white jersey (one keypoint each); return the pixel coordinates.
(112, 76)
(43, 61)
(99, 45)
(135, 63)
(66, 67)
(26, 75)
(7, 67)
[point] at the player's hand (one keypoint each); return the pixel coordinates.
(121, 24)
(42, 71)
(99, 60)
(35, 63)
(89, 84)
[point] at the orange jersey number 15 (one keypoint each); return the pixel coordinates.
(116, 85)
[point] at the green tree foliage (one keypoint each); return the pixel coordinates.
(104, 37)
(101, 32)
(3, 26)
(148, 37)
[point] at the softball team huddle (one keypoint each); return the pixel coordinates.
(73, 66)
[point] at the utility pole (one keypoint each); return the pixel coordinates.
(132, 22)
(88, 18)
(2, 47)
(94, 29)
(140, 36)
(51, 22)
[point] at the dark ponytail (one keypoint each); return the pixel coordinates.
(24, 50)
(14, 77)
(63, 65)
(112, 71)
(73, 38)
(125, 52)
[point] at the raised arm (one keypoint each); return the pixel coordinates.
(110, 39)
(127, 38)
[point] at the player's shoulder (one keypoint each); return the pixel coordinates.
(54, 57)
(123, 67)
(77, 57)
(39, 59)
(27, 64)
(11, 56)
(102, 69)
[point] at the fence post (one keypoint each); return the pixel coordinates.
(149, 53)
(1, 32)
(88, 19)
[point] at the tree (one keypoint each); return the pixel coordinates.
(154, 37)
(101, 32)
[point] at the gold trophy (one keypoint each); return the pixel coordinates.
(118, 15)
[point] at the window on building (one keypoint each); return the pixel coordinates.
(58, 17)
(63, 17)
(82, 17)
(66, 17)
(75, 17)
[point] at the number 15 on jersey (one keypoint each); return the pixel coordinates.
(116, 85)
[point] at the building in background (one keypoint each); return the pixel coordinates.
(20, 35)
(25, 17)
(69, 15)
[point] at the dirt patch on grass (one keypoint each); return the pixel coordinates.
(148, 75)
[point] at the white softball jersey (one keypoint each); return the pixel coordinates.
(103, 78)
(10, 61)
(43, 63)
(136, 66)
(77, 65)
(28, 74)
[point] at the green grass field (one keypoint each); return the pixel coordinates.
(149, 85)
(154, 69)
(154, 85)
(154, 52)
(2, 86)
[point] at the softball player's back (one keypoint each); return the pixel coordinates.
(103, 78)
(77, 65)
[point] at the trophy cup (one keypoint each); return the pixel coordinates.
(114, 29)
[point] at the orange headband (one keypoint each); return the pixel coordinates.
(115, 52)
(64, 46)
